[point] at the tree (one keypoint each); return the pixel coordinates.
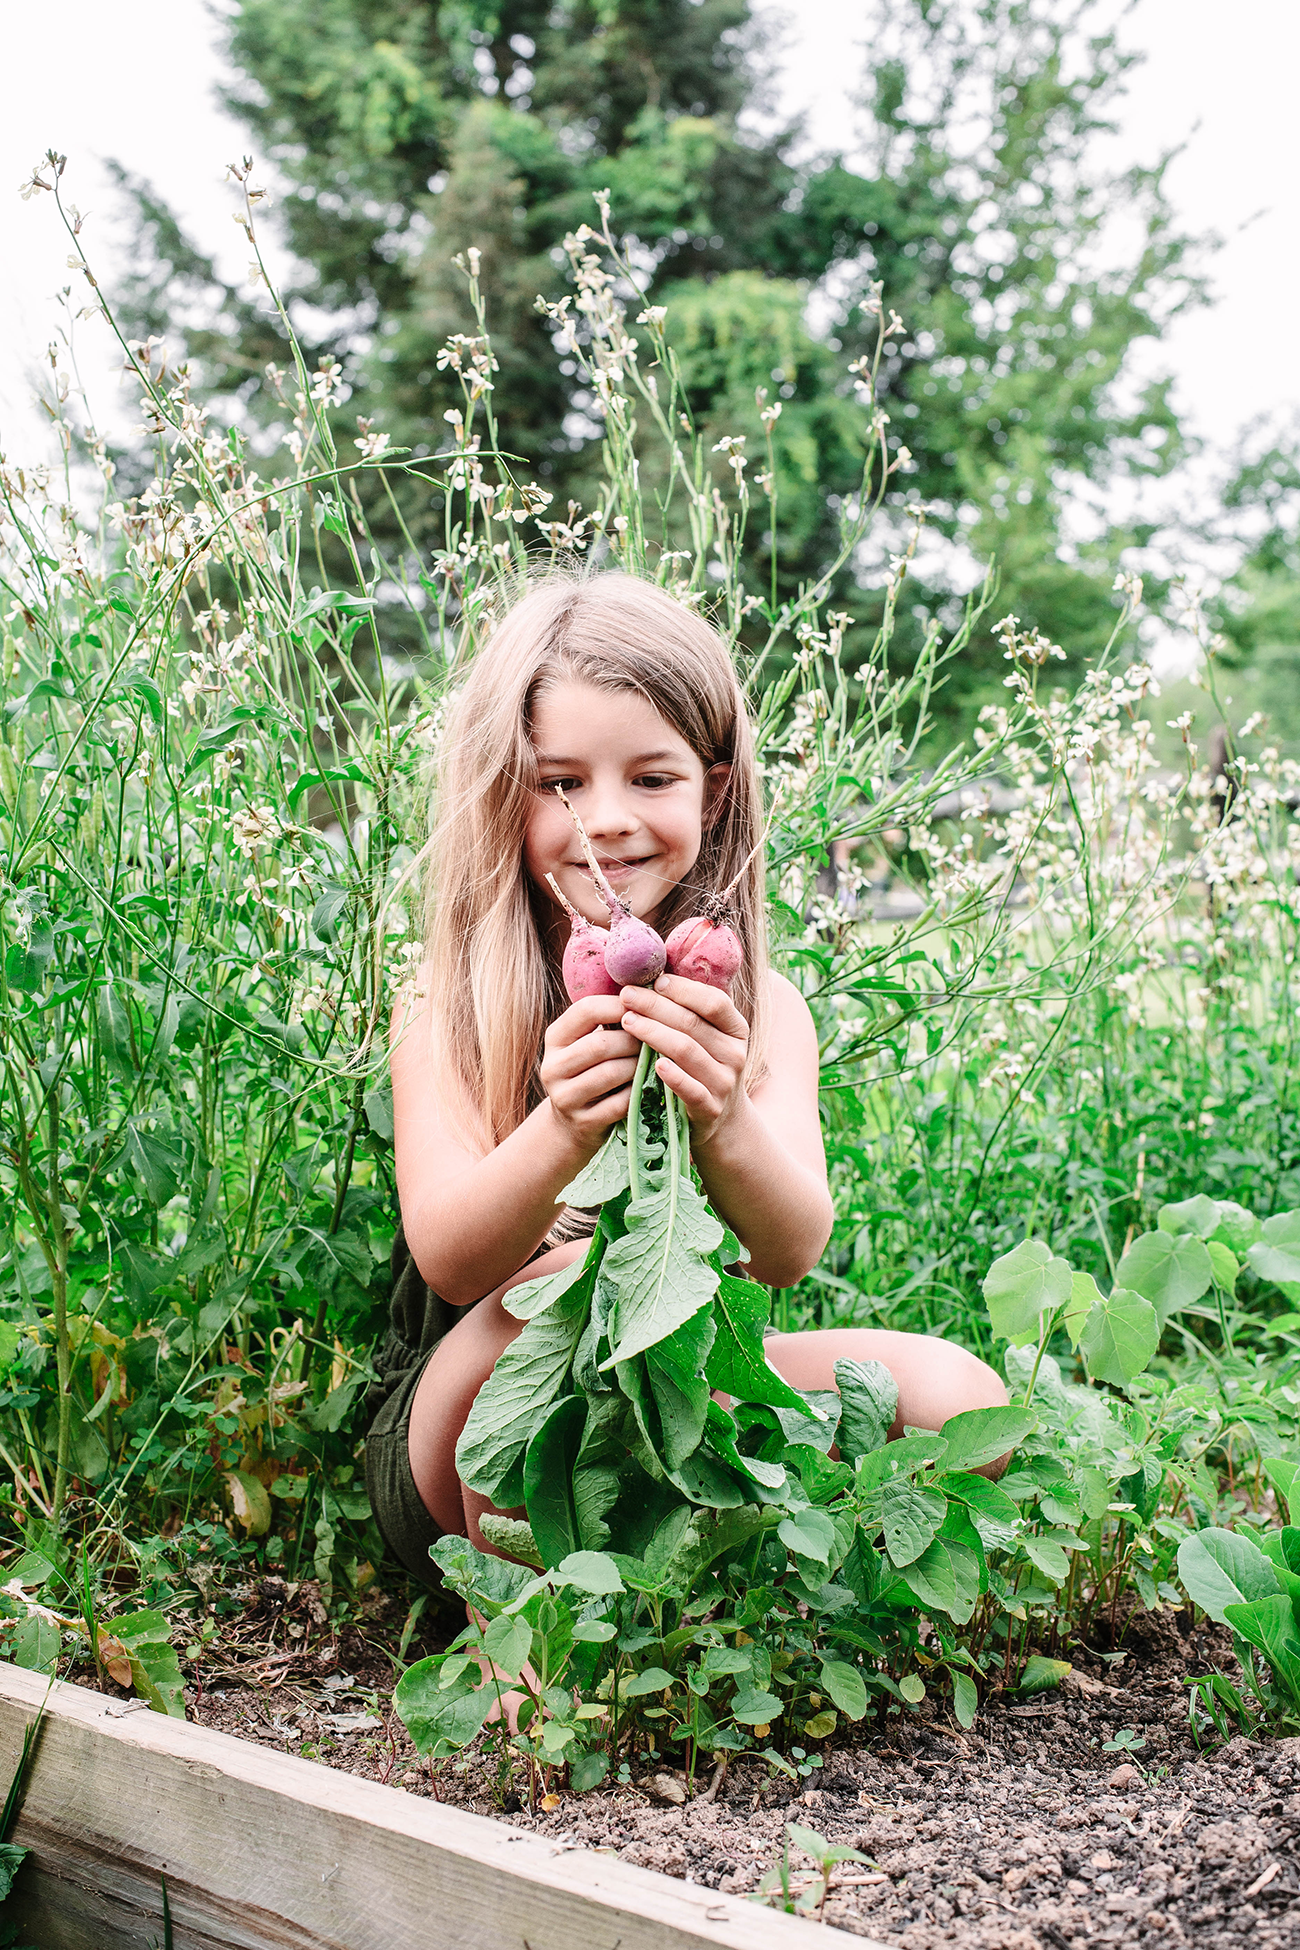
(408, 131)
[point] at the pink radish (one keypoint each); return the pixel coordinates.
(704, 949)
(584, 954)
(634, 954)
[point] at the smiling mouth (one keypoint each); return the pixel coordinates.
(611, 866)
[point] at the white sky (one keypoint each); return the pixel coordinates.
(139, 86)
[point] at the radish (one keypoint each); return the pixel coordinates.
(584, 954)
(634, 953)
(705, 949)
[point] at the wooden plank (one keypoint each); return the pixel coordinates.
(263, 1849)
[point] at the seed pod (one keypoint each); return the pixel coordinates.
(8, 777)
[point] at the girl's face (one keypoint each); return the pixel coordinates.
(638, 788)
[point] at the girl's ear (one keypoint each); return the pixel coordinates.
(716, 781)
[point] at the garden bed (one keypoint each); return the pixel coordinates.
(1021, 1834)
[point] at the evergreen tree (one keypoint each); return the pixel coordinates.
(408, 131)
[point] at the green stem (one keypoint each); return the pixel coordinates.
(635, 1177)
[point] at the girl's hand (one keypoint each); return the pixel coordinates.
(587, 1068)
(702, 1040)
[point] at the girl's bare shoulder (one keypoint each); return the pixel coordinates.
(791, 1017)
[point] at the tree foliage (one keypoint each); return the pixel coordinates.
(1024, 276)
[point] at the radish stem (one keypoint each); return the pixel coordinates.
(635, 1180)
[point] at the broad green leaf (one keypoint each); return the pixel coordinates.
(12, 1858)
(1276, 1254)
(331, 775)
(755, 1707)
(36, 1644)
(869, 1404)
(652, 1679)
(912, 1687)
(156, 1162)
(508, 1641)
(10, 1341)
(1022, 1285)
(508, 1534)
(898, 1459)
(516, 1396)
(1224, 1265)
(113, 1022)
(1269, 1625)
(822, 1725)
(1120, 1335)
(910, 1517)
(770, 1476)
(1084, 1295)
(604, 1177)
(658, 1269)
(549, 1464)
(1042, 1674)
(979, 1494)
(737, 1365)
(1047, 1555)
(815, 1421)
(483, 1580)
(846, 1686)
(1199, 1216)
(327, 915)
(1218, 1568)
(946, 1577)
(982, 1435)
(1168, 1269)
(1285, 1478)
(155, 1669)
(965, 1698)
(378, 1106)
(808, 1533)
(587, 1771)
(591, 1571)
(440, 1720)
(675, 1372)
(27, 961)
(1237, 1229)
(532, 1298)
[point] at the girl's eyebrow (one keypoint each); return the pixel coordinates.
(644, 758)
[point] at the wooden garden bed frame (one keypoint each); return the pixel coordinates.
(262, 1849)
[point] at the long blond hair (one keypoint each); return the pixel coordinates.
(492, 987)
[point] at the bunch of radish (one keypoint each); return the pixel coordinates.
(629, 954)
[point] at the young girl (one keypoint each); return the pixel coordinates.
(503, 1091)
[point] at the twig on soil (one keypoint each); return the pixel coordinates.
(719, 1775)
(1262, 1882)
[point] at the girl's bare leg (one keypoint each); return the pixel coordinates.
(457, 1369)
(935, 1378)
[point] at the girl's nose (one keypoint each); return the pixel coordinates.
(608, 811)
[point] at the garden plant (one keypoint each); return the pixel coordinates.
(1054, 979)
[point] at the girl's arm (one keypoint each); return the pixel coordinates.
(759, 1153)
(472, 1220)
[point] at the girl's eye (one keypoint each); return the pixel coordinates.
(569, 785)
(655, 780)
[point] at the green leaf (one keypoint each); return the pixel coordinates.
(1121, 1334)
(508, 1641)
(1276, 1254)
(910, 1517)
(1269, 1625)
(898, 1459)
(845, 1685)
(658, 1269)
(912, 1687)
(532, 1298)
(979, 1494)
(332, 775)
(378, 1106)
(549, 1464)
(156, 1162)
(1047, 1554)
(808, 1533)
(1042, 1674)
(27, 961)
(1285, 1478)
(327, 915)
(517, 1394)
(249, 1501)
(869, 1405)
(822, 1725)
(113, 1022)
(1237, 1229)
(440, 1720)
(508, 1534)
(965, 1698)
(1084, 1295)
(36, 1644)
(1022, 1285)
(587, 1771)
(591, 1571)
(155, 1669)
(1199, 1216)
(981, 1435)
(946, 1577)
(604, 1177)
(756, 1708)
(652, 1679)
(1218, 1568)
(1224, 1265)
(12, 1858)
(1168, 1269)
(737, 1365)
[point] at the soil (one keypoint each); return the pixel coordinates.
(1021, 1834)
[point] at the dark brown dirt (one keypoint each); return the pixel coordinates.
(1022, 1834)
